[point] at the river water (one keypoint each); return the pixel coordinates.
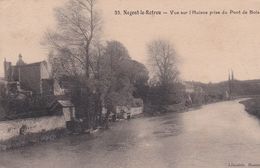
(217, 135)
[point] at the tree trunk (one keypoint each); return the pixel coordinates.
(87, 62)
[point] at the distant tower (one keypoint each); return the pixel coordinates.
(229, 77)
(229, 83)
(232, 75)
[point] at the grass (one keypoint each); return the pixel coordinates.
(252, 106)
(155, 110)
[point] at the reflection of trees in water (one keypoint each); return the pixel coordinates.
(170, 125)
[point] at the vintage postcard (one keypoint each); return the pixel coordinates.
(129, 84)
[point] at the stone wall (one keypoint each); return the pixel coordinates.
(13, 128)
(136, 110)
(133, 110)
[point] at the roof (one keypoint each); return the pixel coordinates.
(58, 104)
(34, 64)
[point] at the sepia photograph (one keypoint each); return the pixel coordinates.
(129, 84)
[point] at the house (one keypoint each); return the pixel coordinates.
(193, 93)
(135, 109)
(192, 87)
(63, 107)
(33, 81)
(32, 77)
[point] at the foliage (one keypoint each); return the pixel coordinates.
(161, 95)
(121, 74)
(252, 106)
(21, 106)
(112, 82)
(165, 87)
(103, 74)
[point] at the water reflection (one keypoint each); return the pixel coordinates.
(169, 126)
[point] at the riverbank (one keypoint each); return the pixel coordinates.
(252, 106)
(45, 136)
(31, 139)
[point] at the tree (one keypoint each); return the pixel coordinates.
(139, 77)
(62, 64)
(164, 88)
(78, 25)
(164, 62)
(72, 47)
(117, 76)
(117, 88)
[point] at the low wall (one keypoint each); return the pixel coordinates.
(10, 129)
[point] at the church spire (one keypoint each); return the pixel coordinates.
(232, 75)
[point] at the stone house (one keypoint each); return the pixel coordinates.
(33, 77)
(32, 84)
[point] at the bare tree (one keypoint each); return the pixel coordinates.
(72, 47)
(78, 25)
(164, 62)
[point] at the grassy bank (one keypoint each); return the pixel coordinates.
(30, 139)
(252, 106)
(154, 110)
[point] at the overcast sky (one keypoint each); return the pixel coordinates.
(207, 46)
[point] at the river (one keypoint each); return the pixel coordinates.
(216, 135)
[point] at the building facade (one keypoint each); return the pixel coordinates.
(33, 77)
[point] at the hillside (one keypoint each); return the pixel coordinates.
(238, 87)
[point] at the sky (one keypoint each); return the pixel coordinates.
(207, 47)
